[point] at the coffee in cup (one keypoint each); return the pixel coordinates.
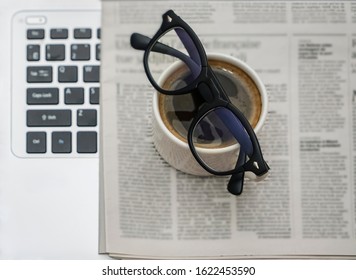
(178, 111)
(173, 114)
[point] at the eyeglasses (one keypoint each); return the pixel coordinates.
(217, 120)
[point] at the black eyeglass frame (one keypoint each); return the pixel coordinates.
(208, 86)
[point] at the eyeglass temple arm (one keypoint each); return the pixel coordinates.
(236, 182)
(189, 45)
(140, 42)
(256, 163)
(237, 130)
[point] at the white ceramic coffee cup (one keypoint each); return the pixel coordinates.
(177, 152)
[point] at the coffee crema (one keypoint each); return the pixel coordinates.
(178, 111)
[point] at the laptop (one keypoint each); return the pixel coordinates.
(49, 125)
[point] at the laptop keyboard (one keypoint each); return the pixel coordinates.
(56, 84)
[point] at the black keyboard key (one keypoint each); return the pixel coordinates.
(87, 142)
(98, 52)
(59, 33)
(55, 52)
(48, 118)
(80, 52)
(94, 95)
(39, 74)
(38, 96)
(36, 142)
(67, 74)
(74, 95)
(35, 34)
(61, 142)
(86, 117)
(82, 33)
(91, 74)
(33, 52)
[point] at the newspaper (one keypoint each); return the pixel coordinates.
(305, 53)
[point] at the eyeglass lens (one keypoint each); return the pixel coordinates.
(215, 130)
(174, 50)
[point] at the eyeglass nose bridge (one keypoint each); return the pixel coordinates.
(205, 92)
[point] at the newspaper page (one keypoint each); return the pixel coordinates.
(305, 53)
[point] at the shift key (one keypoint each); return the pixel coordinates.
(37, 118)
